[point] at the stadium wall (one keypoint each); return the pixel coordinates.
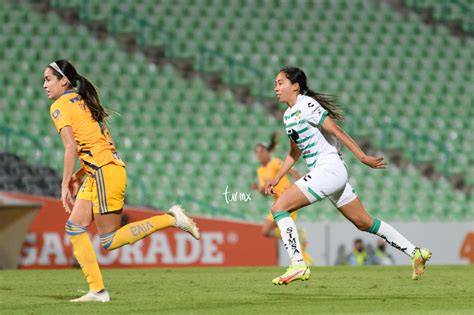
(223, 242)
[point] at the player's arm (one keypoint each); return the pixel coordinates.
(76, 181)
(294, 173)
(332, 128)
(79, 174)
(70, 155)
(290, 160)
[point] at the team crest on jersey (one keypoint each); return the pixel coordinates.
(56, 114)
(298, 116)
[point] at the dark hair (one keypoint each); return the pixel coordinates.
(83, 87)
(272, 145)
(296, 75)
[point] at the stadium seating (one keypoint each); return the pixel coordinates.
(180, 140)
(17, 175)
(378, 62)
(457, 11)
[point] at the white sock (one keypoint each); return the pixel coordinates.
(392, 237)
(289, 236)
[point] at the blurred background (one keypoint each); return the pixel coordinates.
(189, 84)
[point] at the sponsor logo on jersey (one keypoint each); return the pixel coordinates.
(56, 114)
(298, 116)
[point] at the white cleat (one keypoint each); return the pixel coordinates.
(184, 222)
(94, 297)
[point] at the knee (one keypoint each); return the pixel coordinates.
(106, 240)
(277, 208)
(73, 229)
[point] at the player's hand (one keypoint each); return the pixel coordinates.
(254, 186)
(374, 161)
(270, 185)
(74, 186)
(66, 198)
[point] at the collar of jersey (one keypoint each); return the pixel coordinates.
(66, 93)
(298, 98)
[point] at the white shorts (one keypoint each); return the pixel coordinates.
(329, 179)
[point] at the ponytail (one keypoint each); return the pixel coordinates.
(273, 142)
(328, 102)
(89, 94)
(272, 145)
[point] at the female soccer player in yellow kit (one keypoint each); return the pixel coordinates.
(269, 168)
(81, 121)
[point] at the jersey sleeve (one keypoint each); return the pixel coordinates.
(314, 113)
(60, 115)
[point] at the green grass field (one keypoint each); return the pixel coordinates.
(381, 290)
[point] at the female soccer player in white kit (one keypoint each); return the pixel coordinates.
(314, 134)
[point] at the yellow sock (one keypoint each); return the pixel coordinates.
(85, 255)
(135, 231)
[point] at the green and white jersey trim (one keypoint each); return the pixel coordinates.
(303, 123)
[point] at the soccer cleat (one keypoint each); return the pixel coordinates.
(422, 255)
(184, 222)
(94, 297)
(294, 272)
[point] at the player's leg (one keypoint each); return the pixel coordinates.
(113, 236)
(355, 212)
(76, 230)
(308, 260)
(291, 199)
(270, 229)
(111, 181)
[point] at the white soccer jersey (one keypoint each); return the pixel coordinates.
(303, 125)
